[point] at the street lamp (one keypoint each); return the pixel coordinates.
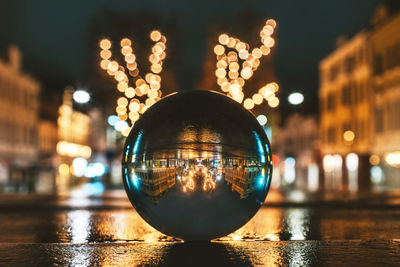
(296, 98)
(81, 96)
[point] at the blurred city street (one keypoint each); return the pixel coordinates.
(290, 229)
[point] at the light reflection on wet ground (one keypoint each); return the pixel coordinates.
(108, 231)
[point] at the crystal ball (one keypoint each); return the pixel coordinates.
(197, 165)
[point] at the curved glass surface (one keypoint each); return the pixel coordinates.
(197, 165)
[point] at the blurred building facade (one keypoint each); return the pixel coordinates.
(296, 145)
(359, 105)
(47, 160)
(385, 41)
(19, 108)
(72, 132)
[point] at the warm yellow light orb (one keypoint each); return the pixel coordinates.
(149, 102)
(105, 44)
(257, 99)
(105, 54)
(246, 73)
(113, 66)
(131, 66)
(144, 88)
(156, 68)
(152, 94)
(104, 64)
(142, 108)
(134, 106)
(232, 56)
(240, 46)
(220, 73)
(126, 50)
(243, 54)
(125, 42)
(225, 86)
(274, 102)
(122, 101)
(139, 82)
(219, 50)
(155, 85)
(234, 66)
(374, 159)
(221, 64)
(223, 39)
(275, 87)
(130, 58)
(134, 115)
(138, 92)
(123, 117)
(122, 86)
(233, 74)
(348, 136)
(126, 132)
(221, 81)
(271, 22)
(63, 169)
(235, 89)
(240, 81)
(267, 30)
(119, 76)
(155, 36)
(238, 98)
(256, 53)
(231, 42)
(129, 92)
(265, 50)
(120, 110)
(248, 103)
(268, 41)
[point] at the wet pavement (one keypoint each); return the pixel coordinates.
(292, 229)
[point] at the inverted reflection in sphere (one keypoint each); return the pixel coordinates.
(197, 165)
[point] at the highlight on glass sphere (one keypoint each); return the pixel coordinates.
(197, 165)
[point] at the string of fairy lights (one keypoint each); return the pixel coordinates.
(236, 64)
(140, 92)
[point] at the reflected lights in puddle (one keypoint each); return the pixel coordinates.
(265, 225)
(128, 226)
(296, 220)
(79, 196)
(79, 225)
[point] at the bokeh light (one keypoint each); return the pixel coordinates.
(235, 64)
(296, 98)
(81, 96)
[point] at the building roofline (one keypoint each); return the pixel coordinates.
(364, 33)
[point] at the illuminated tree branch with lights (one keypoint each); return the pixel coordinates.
(140, 92)
(236, 64)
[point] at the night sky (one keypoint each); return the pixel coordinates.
(53, 35)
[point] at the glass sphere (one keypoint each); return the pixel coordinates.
(197, 165)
